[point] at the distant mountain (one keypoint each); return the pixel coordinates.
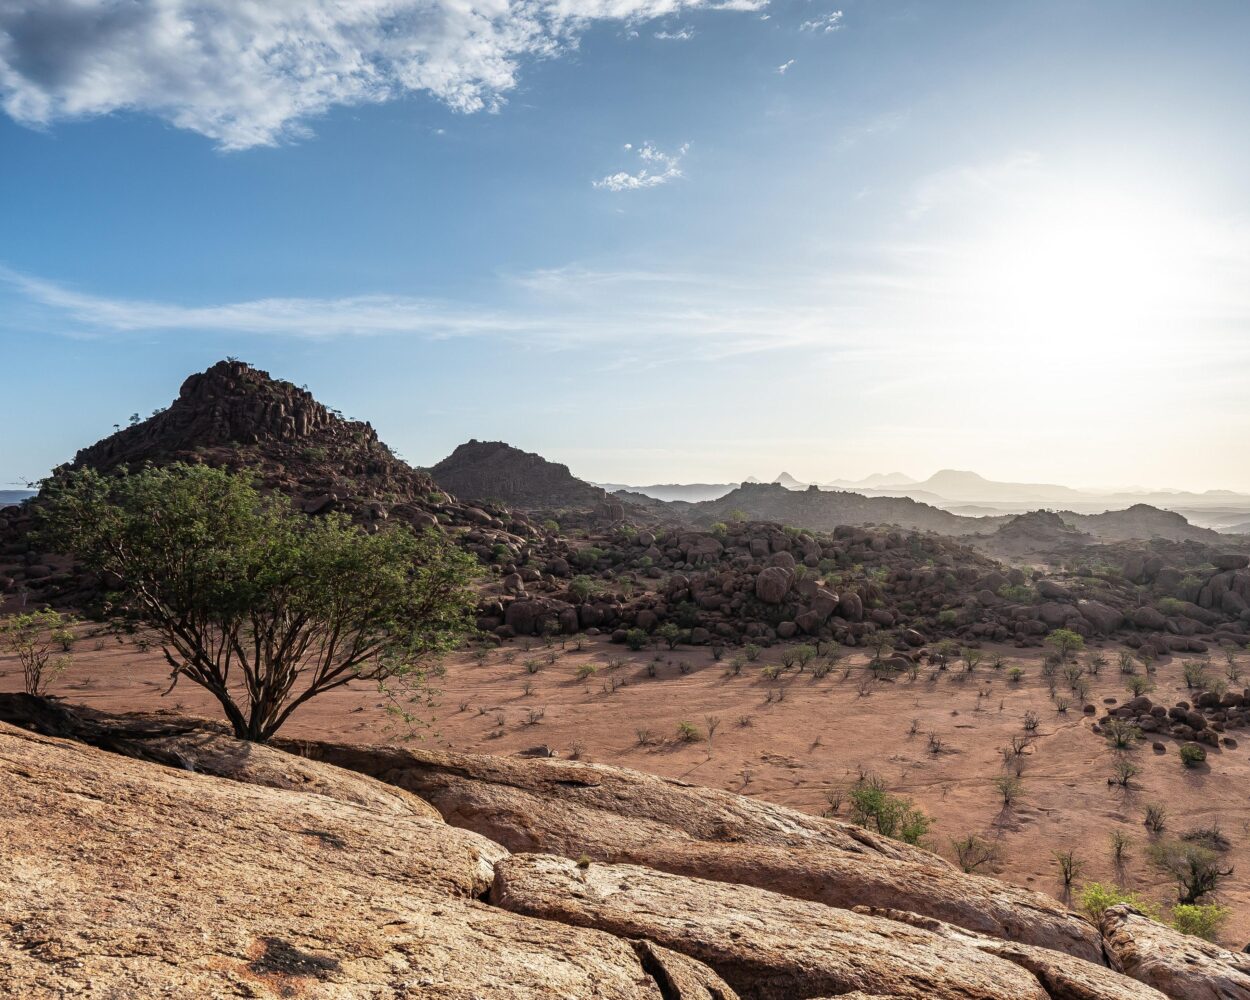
(8, 497)
(494, 470)
(789, 482)
(824, 510)
(690, 492)
(969, 487)
(1140, 521)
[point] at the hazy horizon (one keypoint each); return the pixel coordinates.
(659, 242)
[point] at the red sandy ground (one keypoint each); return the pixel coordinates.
(796, 751)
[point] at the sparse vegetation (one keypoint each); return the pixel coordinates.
(34, 637)
(890, 815)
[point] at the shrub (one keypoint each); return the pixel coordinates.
(1070, 866)
(973, 852)
(688, 732)
(1097, 897)
(635, 639)
(671, 633)
(1156, 817)
(1015, 674)
(890, 815)
(1200, 920)
(1196, 869)
(1195, 673)
(1138, 685)
(33, 637)
(1120, 734)
(1065, 642)
(1192, 754)
(587, 671)
(752, 652)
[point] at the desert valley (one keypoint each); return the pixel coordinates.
(1053, 701)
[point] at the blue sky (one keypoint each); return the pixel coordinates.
(1013, 237)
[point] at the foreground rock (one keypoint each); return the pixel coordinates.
(128, 879)
(571, 808)
(1183, 967)
(617, 815)
(765, 945)
(1062, 976)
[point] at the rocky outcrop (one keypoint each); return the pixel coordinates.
(152, 855)
(1064, 977)
(127, 879)
(572, 807)
(493, 470)
(765, 945)
(1182, 967)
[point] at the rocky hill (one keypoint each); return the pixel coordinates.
(379, 872)
(237, 417)
(493, 470)
(824, 510)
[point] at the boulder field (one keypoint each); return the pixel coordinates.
(152, 856)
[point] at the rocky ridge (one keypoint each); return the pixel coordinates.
(283, 876)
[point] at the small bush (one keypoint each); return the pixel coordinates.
(635, 639)
(1192, 754)
(890, 815)
(688, 732)
(1097, 897)
(1199, 919)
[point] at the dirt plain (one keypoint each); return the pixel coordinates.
(798, 740)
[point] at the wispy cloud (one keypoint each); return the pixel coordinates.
(680, 35)
(785, 66)
(251, 74)
(658, 168)
(823, 25)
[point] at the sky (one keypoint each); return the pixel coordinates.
(656, 241)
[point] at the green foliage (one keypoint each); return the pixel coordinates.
(688, 732)
(1199, 919)
(635, 639)
(1065, 642)
(1170, 606)
(33, 637)
(1020, 593)
(1097, 897)
(948, 617)
(890, 815)
(263, 606)
(671, 633)
(1192, 755)
(581, 587)
(1120, 734)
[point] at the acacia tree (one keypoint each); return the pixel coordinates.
(261, 605)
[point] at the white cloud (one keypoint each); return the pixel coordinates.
(825, 24)
(249, 74)
(658, 168)
(785, 66)
(681, 35)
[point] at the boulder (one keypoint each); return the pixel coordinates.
(851, 607)
(535, 615)
(1063, 976)
(1180, 965)
(571, 807)
(1102, 617)
(1230, 561)
(773, 583)
(1148, 618)
(765, 945)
